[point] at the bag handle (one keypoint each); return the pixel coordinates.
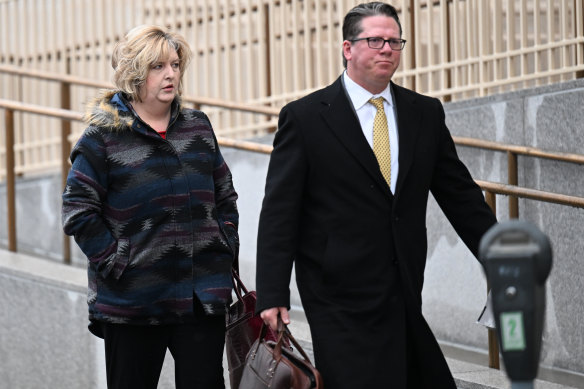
(238, 285)
(284, 335)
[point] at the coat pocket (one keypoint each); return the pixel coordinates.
(232, 236)
(116, 263)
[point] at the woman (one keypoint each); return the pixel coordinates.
(150, 202)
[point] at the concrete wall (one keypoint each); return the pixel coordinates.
(550, 118)
(455, 290)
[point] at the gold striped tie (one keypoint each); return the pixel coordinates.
(381, 140)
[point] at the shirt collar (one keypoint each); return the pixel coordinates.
(360, 96)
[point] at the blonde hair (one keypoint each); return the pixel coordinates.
(142, 47)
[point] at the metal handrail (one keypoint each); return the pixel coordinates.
(262, 148)
(519, 150)
(41, 110)
(270, 111)
(491, 188)
(80, 81)
(531, 194)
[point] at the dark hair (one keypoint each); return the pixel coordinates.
(352, 22)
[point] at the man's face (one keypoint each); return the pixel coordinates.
(373, 68)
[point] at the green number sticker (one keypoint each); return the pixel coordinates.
(512, 331)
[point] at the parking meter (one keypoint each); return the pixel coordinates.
(517, 259)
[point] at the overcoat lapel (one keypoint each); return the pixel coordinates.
(341, 119)
(408, 129)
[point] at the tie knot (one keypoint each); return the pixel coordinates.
(377, 102)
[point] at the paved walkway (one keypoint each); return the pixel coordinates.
(467, 373)
(50, 277)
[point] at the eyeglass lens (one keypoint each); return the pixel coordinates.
(378, 43)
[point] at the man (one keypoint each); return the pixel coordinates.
(352, 217)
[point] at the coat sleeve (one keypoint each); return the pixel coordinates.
(457, 194)
(83, 202)
(226, 200)
(280, 215)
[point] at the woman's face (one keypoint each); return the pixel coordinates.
(161, 84)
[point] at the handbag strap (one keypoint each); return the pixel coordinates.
(238, 285)
(283, 334)
(262, 335)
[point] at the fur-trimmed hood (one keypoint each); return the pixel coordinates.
(108, 110)
(112, 110)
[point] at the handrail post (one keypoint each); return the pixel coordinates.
(65, 151)
(492, 334)
(268, 61)
(10, 180)
(512, 179)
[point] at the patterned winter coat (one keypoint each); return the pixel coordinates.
(157, 219)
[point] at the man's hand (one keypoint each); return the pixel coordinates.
(270, 316)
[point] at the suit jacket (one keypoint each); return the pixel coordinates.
(358, 248)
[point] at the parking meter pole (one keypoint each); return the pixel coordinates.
(517, 259)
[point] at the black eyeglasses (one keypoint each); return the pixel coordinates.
(377, 42)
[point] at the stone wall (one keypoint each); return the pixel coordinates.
(549, 118)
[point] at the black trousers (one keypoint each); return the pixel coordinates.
(135, 354)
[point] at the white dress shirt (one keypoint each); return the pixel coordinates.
(366, 111)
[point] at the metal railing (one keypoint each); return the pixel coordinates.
(65, 84)
(66, 117)
(273, 50)
(268, 52)
(491, 189)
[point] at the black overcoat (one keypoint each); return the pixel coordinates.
(358, 249)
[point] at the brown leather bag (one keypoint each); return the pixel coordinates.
(272, 365)
(243, 327)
